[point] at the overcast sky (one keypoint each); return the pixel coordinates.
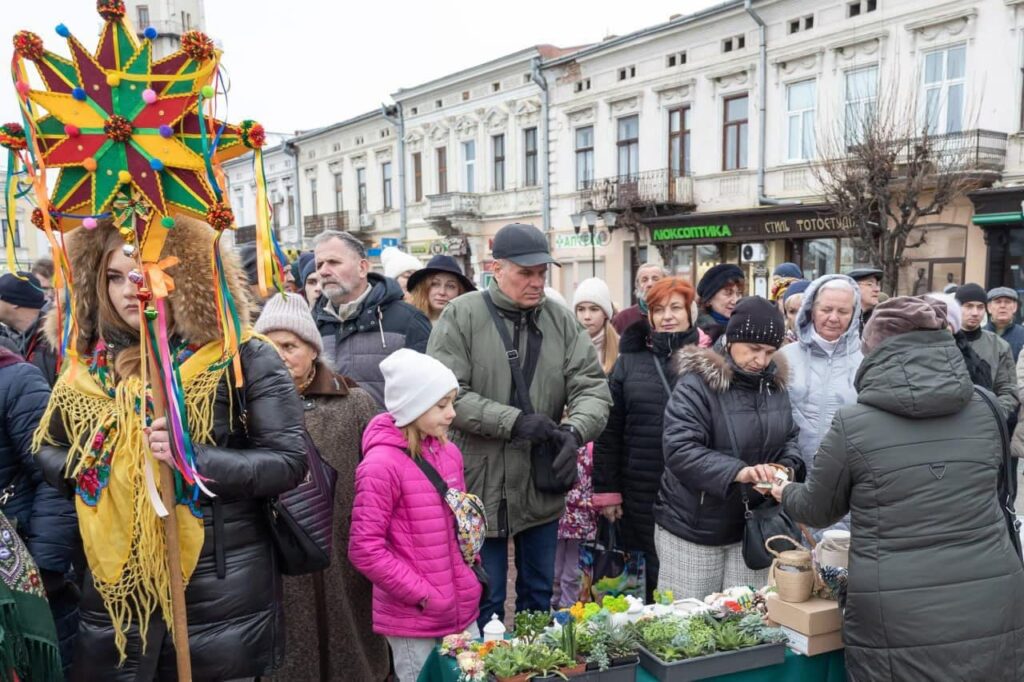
(321, 61)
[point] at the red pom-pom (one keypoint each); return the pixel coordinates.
(118, 128)
(197, 45)
(253, 135)
(37, 218)
(111, 10)
(28, 45)
(12, 136)
(220, 217)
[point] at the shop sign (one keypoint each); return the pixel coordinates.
(582, 240)
(449, 246)
(670, 234)
(421, 249)
(811, 221)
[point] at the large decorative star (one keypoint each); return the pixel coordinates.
(118, 123)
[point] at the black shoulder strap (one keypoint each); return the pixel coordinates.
(512, 355)
(1006, 485)
(664, 379)
(432, 475)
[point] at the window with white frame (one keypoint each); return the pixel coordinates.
(385, 176)
(469, 164)
(944, 83)
(498, 154)
(861, 102)
(530, 166)
(361, 190)
(800, 98)
(628, 145)
(584, 157)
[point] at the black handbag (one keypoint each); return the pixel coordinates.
(1006, 487)
(301, 520)
(542, 455)
(763, 521)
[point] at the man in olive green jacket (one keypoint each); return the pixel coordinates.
(568, 393)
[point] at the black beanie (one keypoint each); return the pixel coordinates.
(716, 278)
(971, 293)
(755, 320)
(23, 291)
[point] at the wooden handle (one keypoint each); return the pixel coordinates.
(768, 543)
(180, 618)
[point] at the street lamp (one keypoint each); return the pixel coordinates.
(590, 218)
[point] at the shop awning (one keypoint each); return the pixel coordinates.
(998, 218)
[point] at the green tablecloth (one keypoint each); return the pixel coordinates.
(828, 667)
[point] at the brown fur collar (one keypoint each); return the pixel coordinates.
(716, 371)
(326, 382)
(192, 303)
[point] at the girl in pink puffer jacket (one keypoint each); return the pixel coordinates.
(403, 533)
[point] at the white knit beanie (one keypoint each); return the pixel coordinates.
(396, 261)
(413, 383)
(290, 313)
(594, 290)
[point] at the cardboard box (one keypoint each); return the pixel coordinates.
(812, 617)
(814, 644)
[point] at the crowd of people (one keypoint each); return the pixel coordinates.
(465, 423)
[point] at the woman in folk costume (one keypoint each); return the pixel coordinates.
(248, 446)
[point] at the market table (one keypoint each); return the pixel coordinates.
(828, 667)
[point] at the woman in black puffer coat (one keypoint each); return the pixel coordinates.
(233, 595)
(45, 519)
(628, 459)
(719, 400)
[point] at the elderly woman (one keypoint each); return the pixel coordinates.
(728, 420)
(823, 362)
(438, 284)
(935, 581)
(628, 459)
(718, 292)
(335, 604)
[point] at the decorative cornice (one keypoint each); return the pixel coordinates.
(675, 92)
(581, 115)
(736, 75)
(624, 104)
(796, 62)
(949, 26)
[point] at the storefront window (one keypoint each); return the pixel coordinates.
(682, 262)
(708, 256)
(818, 257)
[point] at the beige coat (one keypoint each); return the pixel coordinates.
(336, 414)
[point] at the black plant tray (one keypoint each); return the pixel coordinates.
(621, 670)
(713, 665)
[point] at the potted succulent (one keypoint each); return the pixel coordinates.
(705, 645)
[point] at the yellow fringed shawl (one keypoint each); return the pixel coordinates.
(122, 533)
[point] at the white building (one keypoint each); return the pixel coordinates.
(279, 172)
(30, 243)
(664, 121)
(171, 18)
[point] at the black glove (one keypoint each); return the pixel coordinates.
(564, 465)
(535, 428)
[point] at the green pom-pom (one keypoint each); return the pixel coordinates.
(207, 91)
(167, 221)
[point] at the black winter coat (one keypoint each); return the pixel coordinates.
(628, 458)
(45, 519)
(935, 587)
(698, 500)
(383, 324)
(233, 598)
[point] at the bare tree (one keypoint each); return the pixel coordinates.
(884, 168)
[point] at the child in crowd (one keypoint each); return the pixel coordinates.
(403, 536)
(578, 524)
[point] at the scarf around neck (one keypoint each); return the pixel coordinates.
(115, 477)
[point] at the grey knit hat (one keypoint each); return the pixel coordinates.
(290, 313)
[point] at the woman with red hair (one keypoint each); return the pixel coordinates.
(628, 459)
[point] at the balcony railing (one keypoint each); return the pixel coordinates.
(622, 192)
(452, 205)
(315, 224)
(971, 150)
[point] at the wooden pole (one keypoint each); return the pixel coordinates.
(179, 616)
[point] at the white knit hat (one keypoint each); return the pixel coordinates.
(594, 290)
(396, 261)
(290, 313)
(413, 383)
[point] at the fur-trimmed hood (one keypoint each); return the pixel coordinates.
(192, 303)
(718, 373)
